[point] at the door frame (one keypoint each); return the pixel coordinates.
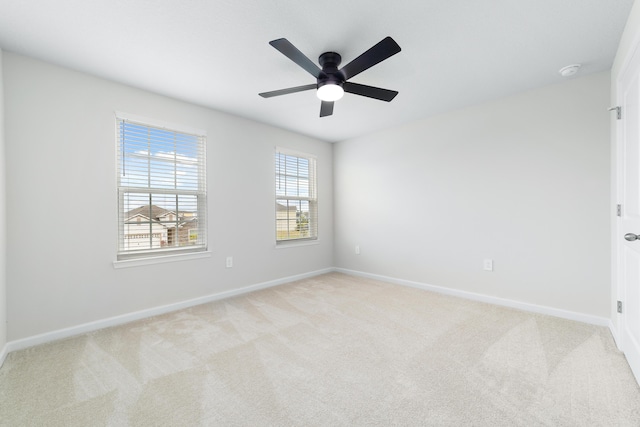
(618, 291)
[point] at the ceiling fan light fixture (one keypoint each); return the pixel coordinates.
(330, 92)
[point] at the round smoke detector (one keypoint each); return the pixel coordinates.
(569, 70)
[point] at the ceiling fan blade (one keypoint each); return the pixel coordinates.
(288, 90)
(290, 51)
(384, 49)
(370, 91)
(326, 109)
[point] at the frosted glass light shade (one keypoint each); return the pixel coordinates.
(330, 92)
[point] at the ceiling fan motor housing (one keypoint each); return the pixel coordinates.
(329, 61)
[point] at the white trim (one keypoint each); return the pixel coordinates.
(3, 354)
(294, 153)
(628, 55)
(618, 288)
(160, 124)
(283, 244)
(550, 311)
(614, 334)
(136, 262)
(143, 314)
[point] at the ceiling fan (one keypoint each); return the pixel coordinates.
(332, 82)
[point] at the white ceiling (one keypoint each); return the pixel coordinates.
(215, 53)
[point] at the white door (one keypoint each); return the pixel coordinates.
(629, 223)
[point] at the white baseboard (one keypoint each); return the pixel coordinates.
(570, 315)
(3, 354)
(614, 332)
(142, 314)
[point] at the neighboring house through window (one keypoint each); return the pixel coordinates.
(162, 195)
(296, 196)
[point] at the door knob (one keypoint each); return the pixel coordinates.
(631, 237)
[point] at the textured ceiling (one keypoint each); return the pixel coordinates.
(216, 53)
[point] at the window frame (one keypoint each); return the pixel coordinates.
(128, 257)
(311, 199)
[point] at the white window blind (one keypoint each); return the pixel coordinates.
(296, 196)
(162, 198)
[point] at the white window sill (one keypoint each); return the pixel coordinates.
(298, 243)
(160, 259)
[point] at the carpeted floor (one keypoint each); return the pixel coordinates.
(333, 350)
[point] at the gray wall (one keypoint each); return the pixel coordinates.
(61, 202)
(523, 181)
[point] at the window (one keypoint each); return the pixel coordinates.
(296, 197)
(162, 196)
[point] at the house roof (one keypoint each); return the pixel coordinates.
(156, 212)
(281, 207)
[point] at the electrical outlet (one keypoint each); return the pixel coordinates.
(229, 261)
(488, 265)
(357, 249)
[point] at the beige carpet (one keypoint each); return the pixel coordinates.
(333, 350)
